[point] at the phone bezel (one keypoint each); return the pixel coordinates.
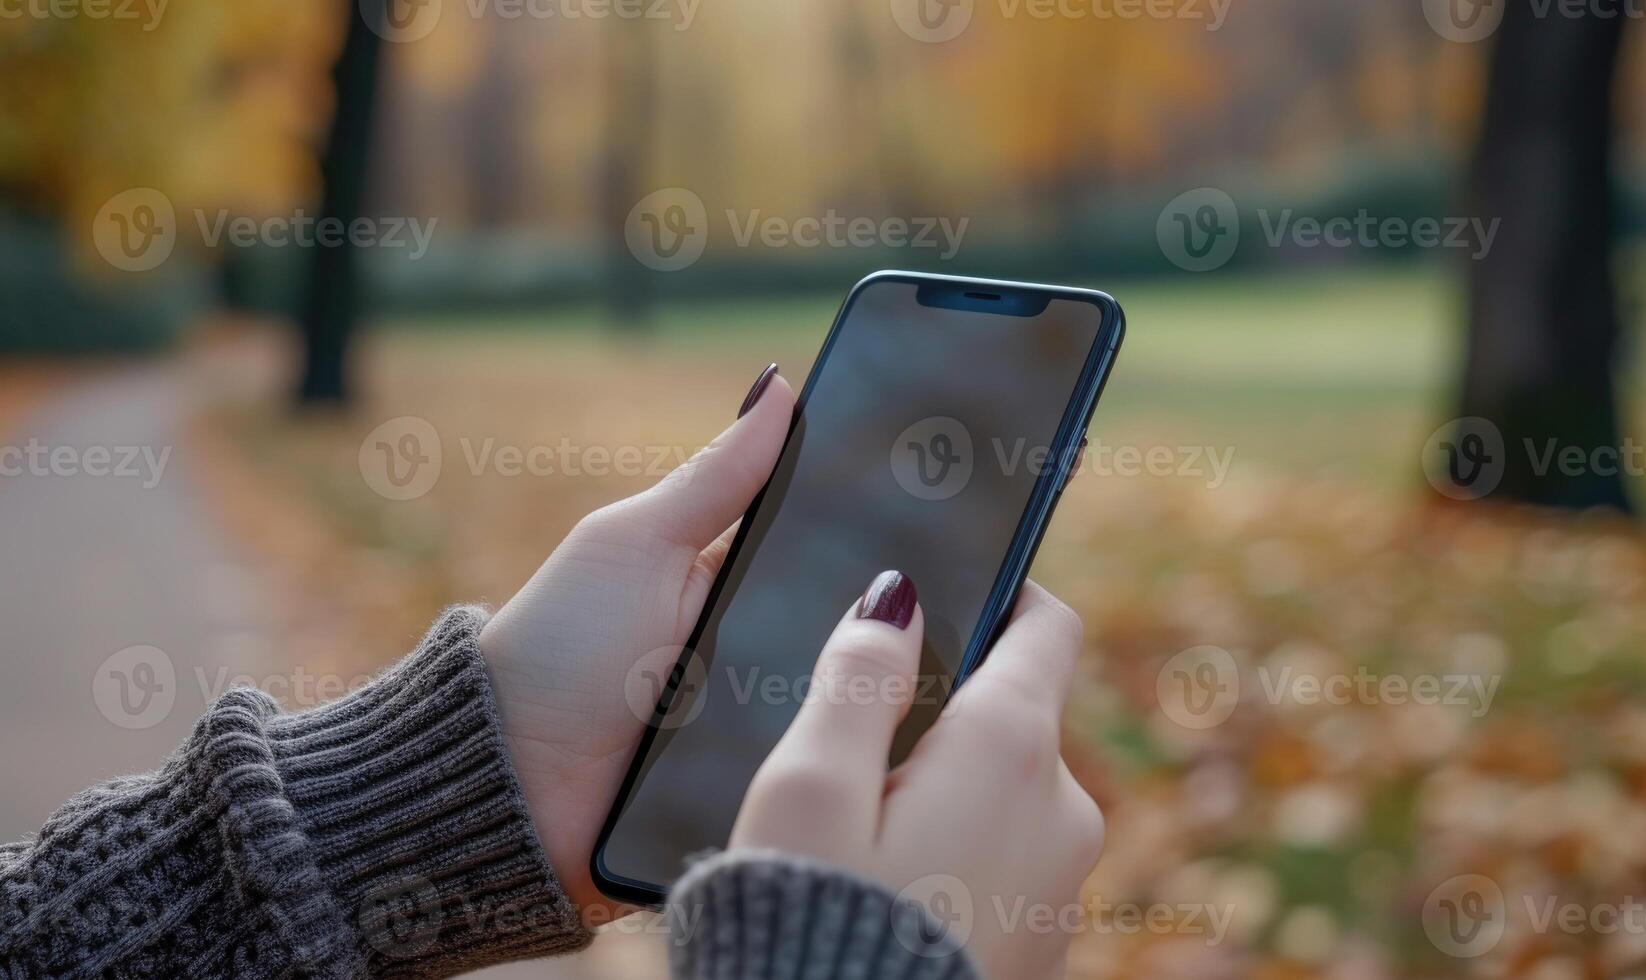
(1014, 567)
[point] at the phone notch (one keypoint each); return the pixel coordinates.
(1006, 302)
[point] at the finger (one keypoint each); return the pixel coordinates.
(1010, 708)
(861, 689)
(1036, 655)
(702, 575)
(1087, 827)
(693, 505)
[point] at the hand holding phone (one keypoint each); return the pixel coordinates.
(612, 605)
(637, 580)
(983, 818)
(934, 435)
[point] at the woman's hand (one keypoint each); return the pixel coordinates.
(615, 602)
(983, 821)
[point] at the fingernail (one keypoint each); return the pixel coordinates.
(760, 385)
(890, 599)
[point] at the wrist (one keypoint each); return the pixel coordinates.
(408, 799)
(565, 826)
(563, 799)
(568, 761)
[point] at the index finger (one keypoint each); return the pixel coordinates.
(1035, 656)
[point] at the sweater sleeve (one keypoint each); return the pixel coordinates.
(381, 835)
(750, 915)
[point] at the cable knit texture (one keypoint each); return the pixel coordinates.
(744, 915)
(384, 835)
(381, 835)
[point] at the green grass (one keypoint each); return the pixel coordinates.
(1366, 329)
(1336, 371)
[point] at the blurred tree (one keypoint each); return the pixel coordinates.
(858, 125)
(630, 131)
(332, 304)
(1543, 311)
(490, 148)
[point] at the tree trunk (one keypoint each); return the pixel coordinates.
(490, 148)
(629, 136)
(1543, 320)
(332, 304)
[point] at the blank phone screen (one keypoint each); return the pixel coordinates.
(918, 449)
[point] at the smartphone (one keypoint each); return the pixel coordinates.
(933, 436)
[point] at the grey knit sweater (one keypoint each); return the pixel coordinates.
(384, 835)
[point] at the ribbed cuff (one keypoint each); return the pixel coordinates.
(415, 820)
(769, 914)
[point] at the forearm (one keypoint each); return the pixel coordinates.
(381, 835)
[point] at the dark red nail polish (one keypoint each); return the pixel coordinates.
(890, 599)
(760, 385)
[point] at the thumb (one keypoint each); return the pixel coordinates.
(702, 497)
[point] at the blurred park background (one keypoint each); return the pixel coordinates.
(577, 229)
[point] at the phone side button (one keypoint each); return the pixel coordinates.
(1074, 465)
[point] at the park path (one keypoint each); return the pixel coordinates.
(94, 565)
(125, 609)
